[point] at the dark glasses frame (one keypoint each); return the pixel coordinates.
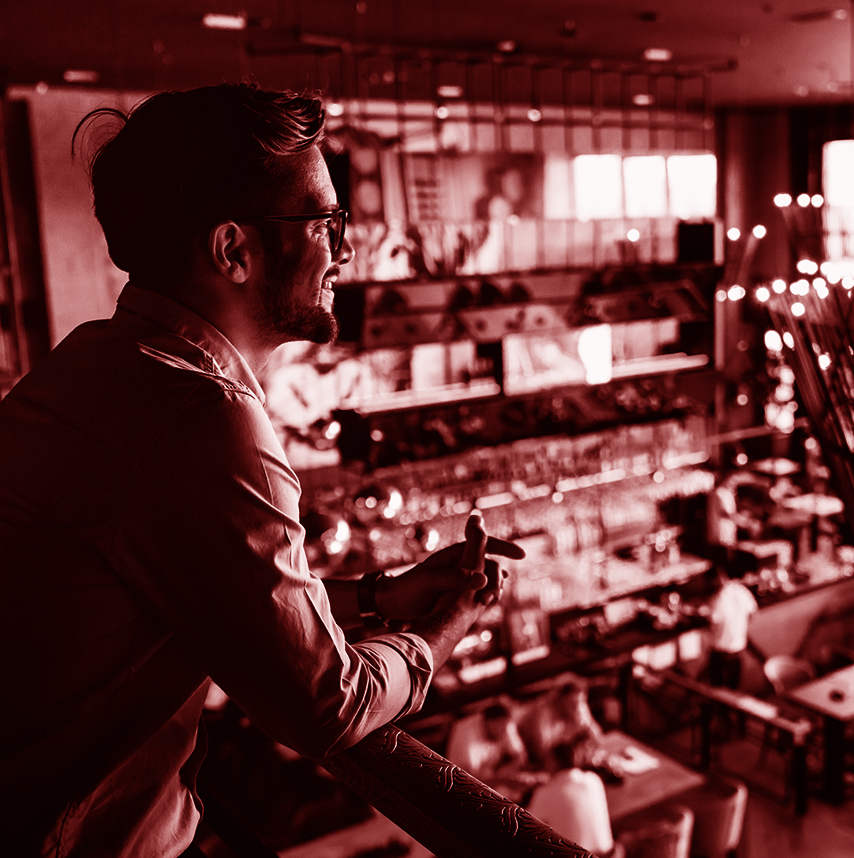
(337, 223)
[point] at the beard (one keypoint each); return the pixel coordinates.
(281, 317)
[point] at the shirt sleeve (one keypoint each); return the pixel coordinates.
(209, 536)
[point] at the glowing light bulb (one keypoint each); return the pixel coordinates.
(803, 200)
(763, 294)
(759, 231)
(733, 234)
(782, 200)
(779, 286)
(798, 309)
(633, 235)
(773, 341)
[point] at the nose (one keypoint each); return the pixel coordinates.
(346, 253)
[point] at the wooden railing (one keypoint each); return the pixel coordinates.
(442, 806)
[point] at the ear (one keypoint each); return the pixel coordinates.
(231, 251)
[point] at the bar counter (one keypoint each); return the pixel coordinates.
(809, 617)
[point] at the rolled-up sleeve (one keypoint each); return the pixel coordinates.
(209, 535)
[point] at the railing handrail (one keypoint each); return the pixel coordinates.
(441, 805)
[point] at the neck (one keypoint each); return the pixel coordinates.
(231, 316)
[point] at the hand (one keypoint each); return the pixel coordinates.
(453, 570)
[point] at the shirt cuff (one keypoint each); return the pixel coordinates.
(418, 660)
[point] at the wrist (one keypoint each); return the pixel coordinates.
(366, 600)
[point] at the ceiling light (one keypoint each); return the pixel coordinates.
(449, 91)
(535, 114)
(507, 46)
(80, 76)
(658, 55)
(221, 21)
(642, 99)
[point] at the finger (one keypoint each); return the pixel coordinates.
(503, 548)
(492, 588)
(475, 545)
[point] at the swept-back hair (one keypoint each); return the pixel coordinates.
(181, 162)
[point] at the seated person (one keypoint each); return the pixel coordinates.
(488, 746)
(574, 804)
(560, 730)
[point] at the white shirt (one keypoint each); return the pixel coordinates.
(730, 614)
(473, 750)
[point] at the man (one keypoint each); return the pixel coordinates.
(559, 730)
(487, 744)
(149, 532)
(729, 611)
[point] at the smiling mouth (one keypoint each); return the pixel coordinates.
(328, 282)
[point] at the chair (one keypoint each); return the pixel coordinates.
(718, 806)
(785, 672)
(663, 831)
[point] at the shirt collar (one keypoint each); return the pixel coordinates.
(190, 326)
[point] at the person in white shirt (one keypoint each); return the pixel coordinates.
(487, 745)
(729, 612)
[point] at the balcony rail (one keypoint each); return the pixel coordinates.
(442, 806)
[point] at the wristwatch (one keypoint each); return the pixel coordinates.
(366, 600)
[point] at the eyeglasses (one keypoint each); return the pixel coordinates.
(337, 223)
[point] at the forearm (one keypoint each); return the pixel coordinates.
(444, 629)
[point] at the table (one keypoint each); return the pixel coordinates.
(642, 789)
(712, 697)
(832, 697)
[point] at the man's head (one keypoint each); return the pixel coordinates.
(496, 718)
(182, 163)
(572, 696)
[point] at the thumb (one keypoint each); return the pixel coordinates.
(474, 550)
